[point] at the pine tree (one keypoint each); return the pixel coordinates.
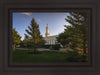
(79, 23)
(26, 40)
(34, 34)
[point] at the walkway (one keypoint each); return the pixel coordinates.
(40, 49)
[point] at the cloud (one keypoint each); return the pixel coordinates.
(26, 13)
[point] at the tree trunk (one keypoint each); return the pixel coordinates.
(34, 46)
(13, 47)
(84, 46)
(34, 49)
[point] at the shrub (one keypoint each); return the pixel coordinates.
(50, 47)
(53, 47)
(56, 47)
(47, 46)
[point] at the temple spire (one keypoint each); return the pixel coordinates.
(47, 31)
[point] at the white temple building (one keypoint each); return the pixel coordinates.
(50, 40)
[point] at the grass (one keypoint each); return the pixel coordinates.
(45, 56)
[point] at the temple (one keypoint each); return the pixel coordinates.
(50, 40)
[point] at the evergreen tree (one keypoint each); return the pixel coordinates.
(64, 38)
(34, 34)
(79, 23)
(26, 41)
(16, 38)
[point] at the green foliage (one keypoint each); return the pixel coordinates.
(47, 46)
(33, 37)
(51, 47)
(41, 44)
(56, 46)
(62, 39)
(75, 57)
(75, 35)
(16, 37)
(79, 22)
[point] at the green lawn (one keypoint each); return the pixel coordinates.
(45, 56)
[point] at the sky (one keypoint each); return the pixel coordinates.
(55, 21)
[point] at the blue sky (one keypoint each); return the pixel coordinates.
(55, 21)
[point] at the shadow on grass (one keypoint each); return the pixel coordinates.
(32, 52)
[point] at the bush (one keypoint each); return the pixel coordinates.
(53, 47)
(47, 46)
(56, 47)
(50, 47)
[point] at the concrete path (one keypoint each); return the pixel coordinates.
(40, 49)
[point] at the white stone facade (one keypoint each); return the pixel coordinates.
(51, 40)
